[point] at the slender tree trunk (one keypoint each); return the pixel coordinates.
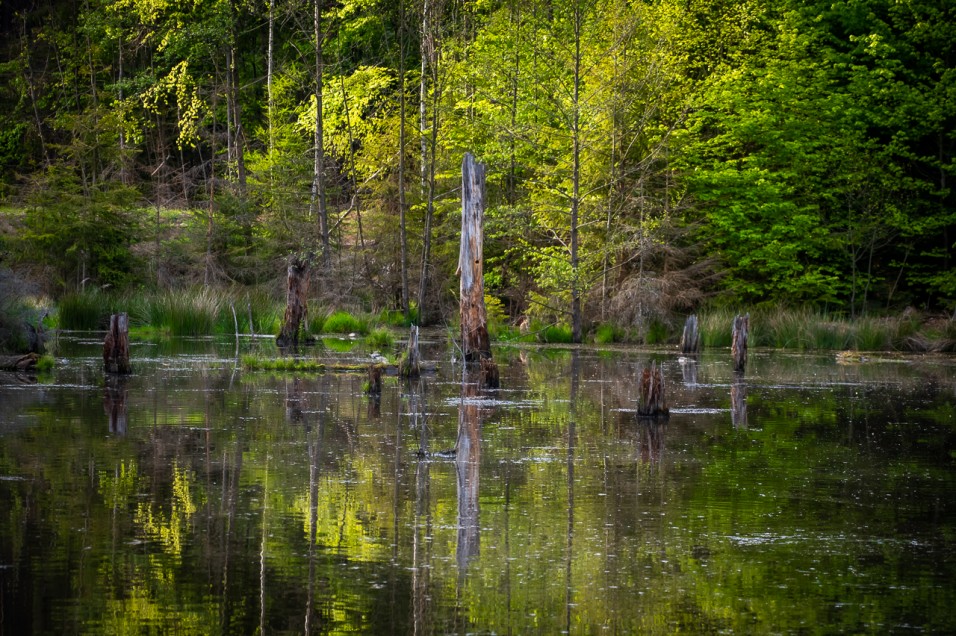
(269, 68)
(423, 95)
(318, 174)
(576, 321)
(423, 309)
(239, 141)
(406, 309)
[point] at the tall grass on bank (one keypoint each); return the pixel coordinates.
(187, 312)
(85, 310)
(807, 330)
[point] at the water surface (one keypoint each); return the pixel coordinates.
(196, 497)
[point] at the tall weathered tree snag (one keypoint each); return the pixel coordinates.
(738, 348)
(690, 339)
(475, 343)
(116, 346)
(297, 307)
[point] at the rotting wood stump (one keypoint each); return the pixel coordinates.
(297, 307)
(652, 399)
(475, 342)
(116, 346)
(738, 348)
(690, 338)
(375, 379)
(410, 366)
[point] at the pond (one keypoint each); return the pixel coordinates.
(196, 497)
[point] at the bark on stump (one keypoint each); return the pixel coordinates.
(410, 365)
(738, 349)
(116, 346)
(690, 339)
(652, 401)
(297, 308)
(475, 343)
(375, 379)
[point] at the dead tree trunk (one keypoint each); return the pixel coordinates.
(297, 308)
(652, 401)
(116, 346)
(410, 365)
(739, 347)
(690, 339)
(475, 342)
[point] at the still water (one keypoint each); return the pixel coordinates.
(199, 498)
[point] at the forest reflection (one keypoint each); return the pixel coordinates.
(224, 502)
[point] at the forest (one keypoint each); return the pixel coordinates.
(645, 158)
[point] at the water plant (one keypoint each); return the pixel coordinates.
(85, 310)
(380, 338)
(344, 322)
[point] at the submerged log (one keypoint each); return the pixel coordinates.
(690, 339)
(475, 342)
(410, 366)
(116, 346)
(297, 308)
(26, 362)
(652, 401)
(738, 348)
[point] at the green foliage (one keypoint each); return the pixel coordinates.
(380, 338)
(345, 323)
(188, 312)
(606, 334)
(82, 237)
(85, 310)
(555, 334)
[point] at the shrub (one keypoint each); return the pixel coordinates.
(555, 334)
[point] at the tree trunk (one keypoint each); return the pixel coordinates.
(739, 347)
(690, 339)
(318, 173)
(411, 363)
(116, 346)
(406, 309)
(474, 322)
(576, 319)
(296, 301)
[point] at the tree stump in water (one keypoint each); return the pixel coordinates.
(652, 402)
(375, 379)
(738, 348)
(116, 346)
(690, 339)
(410, 365)
(475, 343)
(297, 308)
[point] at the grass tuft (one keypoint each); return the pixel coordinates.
(344, 322)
